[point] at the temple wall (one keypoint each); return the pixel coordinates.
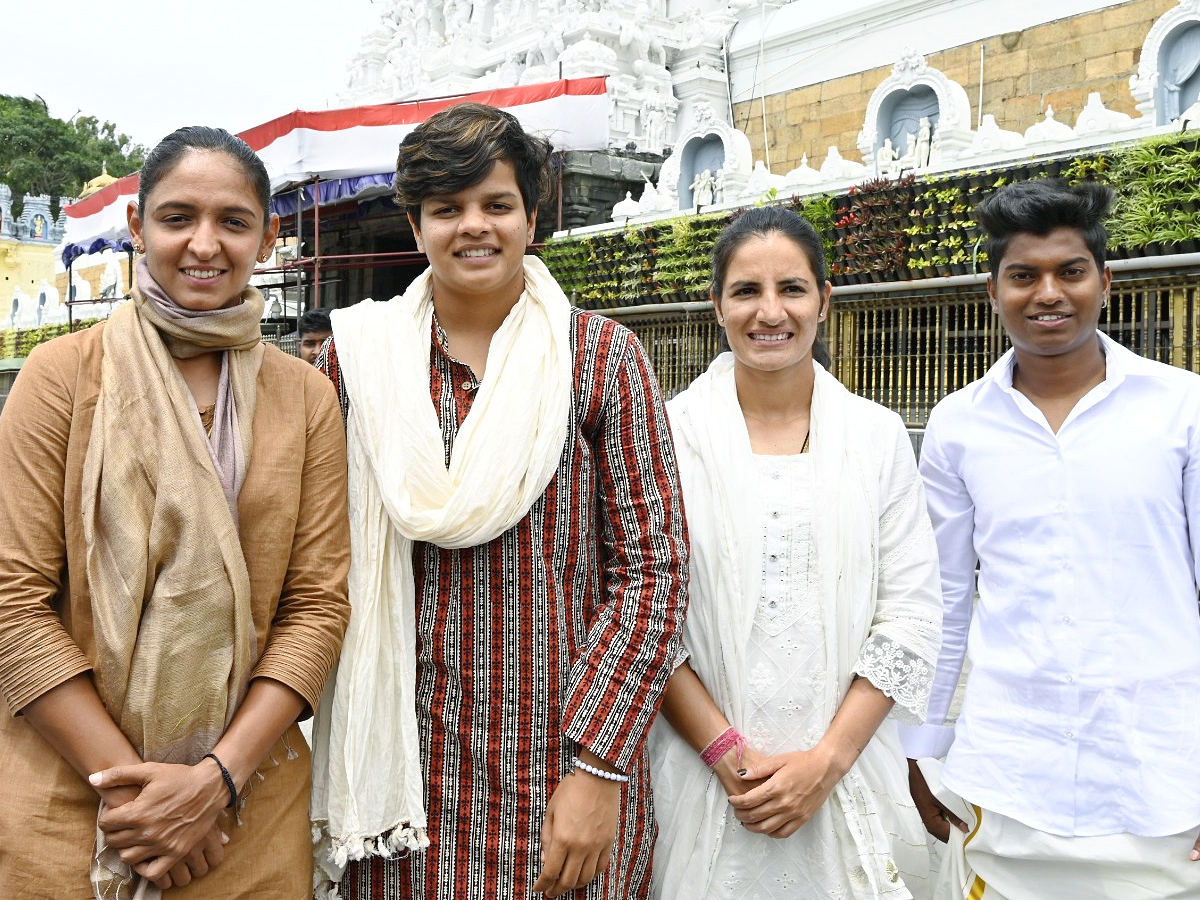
(23, 265)
(1055, 64)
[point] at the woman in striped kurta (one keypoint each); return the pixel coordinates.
(555, 638)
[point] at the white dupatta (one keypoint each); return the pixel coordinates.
(717, 474)
(367, 784)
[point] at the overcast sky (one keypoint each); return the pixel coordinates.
(154, 66)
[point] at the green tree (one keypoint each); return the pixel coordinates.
(40, 154)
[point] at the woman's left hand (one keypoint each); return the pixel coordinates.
(174, 811)
(795, 786)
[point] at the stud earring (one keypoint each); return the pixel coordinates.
(264, 257)
(139, 248)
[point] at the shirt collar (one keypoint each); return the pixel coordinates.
(1119, 364)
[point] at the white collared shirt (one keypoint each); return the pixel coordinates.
(1082, 708)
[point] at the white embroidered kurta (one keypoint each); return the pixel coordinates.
(785, 686)
(798, 583)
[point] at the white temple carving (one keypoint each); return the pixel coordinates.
(1156, 91)
(660, 68)
(951, 120)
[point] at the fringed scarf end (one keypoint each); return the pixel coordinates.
(334, 855)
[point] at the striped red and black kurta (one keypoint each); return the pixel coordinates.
(559, 633)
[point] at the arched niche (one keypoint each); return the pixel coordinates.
(1168, 76)
(1179, 72)
(912, 87)
(708, 144)
(699, 153)
(901, 112)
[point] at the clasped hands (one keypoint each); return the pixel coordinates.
(165, 821)
(776, 795)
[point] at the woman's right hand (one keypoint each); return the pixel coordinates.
(209, 854)
(727, 768)
(169, 832)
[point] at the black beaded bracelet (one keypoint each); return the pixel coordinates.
(226, 777)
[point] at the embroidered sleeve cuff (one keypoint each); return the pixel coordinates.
(900, 674)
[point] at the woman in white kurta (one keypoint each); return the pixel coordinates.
(815, 607)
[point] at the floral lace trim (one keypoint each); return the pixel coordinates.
(900, 674)
(918, 534)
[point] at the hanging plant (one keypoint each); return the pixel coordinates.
(1157, 196)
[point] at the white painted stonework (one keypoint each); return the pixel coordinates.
(1144, 85)
(954, 108)
(660, 66)
(676, 67)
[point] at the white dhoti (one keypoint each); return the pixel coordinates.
(1000, 858)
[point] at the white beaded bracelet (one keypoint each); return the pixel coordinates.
(599, 773)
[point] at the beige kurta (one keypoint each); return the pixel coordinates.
(295, 538)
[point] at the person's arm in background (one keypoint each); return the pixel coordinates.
(952, 512)
(1191, 505)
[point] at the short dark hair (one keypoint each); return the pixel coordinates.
(761, 221)
(314, 320)
(457, 147)
(1041, 205)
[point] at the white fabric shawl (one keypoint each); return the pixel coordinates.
(854, 444)
(367, 785)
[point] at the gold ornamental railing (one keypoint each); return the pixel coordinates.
(907, 346)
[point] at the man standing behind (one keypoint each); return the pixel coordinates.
(314, 330)
(1071, 474)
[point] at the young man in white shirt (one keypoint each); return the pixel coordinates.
(1071, 474)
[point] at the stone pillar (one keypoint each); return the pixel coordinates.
(8, 228)
(60, 224)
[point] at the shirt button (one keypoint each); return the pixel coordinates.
(774, 556)
(1065, 564)
(772, 603)
(467, 385)
(1066, 620)
(1070, 735)
(1061, 507)
(1070, 679)
(775, 514)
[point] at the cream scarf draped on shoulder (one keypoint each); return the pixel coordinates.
(367, 783)
(716, 468)
(170, 593)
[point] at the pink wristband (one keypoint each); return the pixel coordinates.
(722, 744)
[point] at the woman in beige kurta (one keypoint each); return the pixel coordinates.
(291, 524)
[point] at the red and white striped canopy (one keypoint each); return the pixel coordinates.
(362, 140)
